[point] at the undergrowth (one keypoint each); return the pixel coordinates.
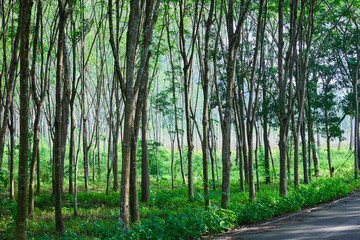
(99, 217)
(168, 214)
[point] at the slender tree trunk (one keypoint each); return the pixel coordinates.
(76, 163)
(71, 147)
(131, 49)
(187, 68)
(83, 106)
(309, 139)
(58, 141)
(239, 152)
(211, 148)
(318, 145)
(256, 159)
(9, 92)
(38, 172)
(351, 134)
(244, 145)
(109, 157)
(85, 148)
(251, 163)
(304, 153)
(356, 134)
(226, 128)
(65, 110)
(38, 108)
(234, 35)
(331, 169)
(175, 106)
(172, 162)
(115, 128)
(145, 173)
(72, 115)
(315, 155)
(205, 85)
(33, 160)
(12, 154)
(266, 149)
(24, 28)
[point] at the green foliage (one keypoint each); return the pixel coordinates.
(317, 192)
(168, 214)
(3, 180)
(157, 157)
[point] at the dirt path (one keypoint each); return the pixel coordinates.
(339, 220)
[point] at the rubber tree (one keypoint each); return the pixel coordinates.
(60, 112)
(129, 87)
(234, 30)
(24, 31)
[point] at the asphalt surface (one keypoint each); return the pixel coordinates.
(339, 220)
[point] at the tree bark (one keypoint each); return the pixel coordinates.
(356, 133)
(9, 92)
(58, 141)
(205, 86)
(234, 39)
(145, 173)
(304, 153)
(38, 109)
(282, 104)
(12, 154)
(131, 50)
(351, 133)
(24, 29)
(187, 69)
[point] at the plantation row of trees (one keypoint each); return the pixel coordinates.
(86, 76)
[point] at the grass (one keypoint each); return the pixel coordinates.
(168, 214)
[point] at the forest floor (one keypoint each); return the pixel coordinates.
(338, 220)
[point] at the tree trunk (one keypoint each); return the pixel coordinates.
(266, 148)
(115, 134)
(244, 145)
(315, 155)
(9, 92)
(211, 148)
(331, 169)
(71, 147)
(33, 160)
(24, 28)
(296, 152)
(58, 141)
(238, 150)
(72, 115)
(187, 68)
(145, 174)
(175, 106)
(256, 159)
(282, 105)
(304, 153)
(85, 147)
(226, 127)
(356, 133)
(83, 99)
(109, 157)
(37, 108)
(351, 134)
(205, 85)
(251, 161)
(12, 154)
(131, 51)
(234, 39)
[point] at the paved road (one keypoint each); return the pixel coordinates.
(339, 220)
